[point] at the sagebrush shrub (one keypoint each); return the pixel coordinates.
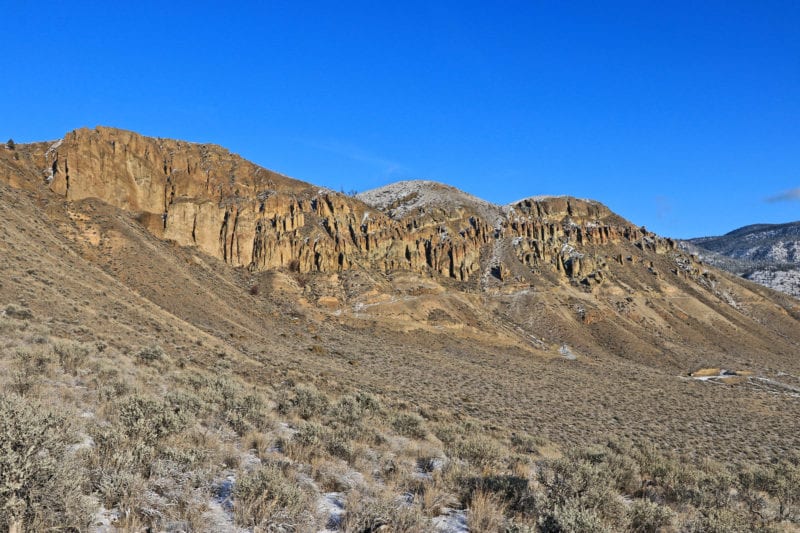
(477, 450)
(267, 497)
(348, 411)
(571, 516)
(150, 354)
(148, 419)
(409, 425)
(20, 313)
(381, 512)
(572, 484)
(308, 401)
(647, 517)
(71, 355)
(40, 482)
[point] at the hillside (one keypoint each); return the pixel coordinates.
(199, 320)
(768, 254)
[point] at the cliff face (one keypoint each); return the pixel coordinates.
(202, 195)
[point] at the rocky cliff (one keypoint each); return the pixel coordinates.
(202, 195)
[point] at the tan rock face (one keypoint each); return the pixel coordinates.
(202, 195)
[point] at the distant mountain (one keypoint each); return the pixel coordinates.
(768, 254)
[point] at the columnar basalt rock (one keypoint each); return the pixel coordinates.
(202, 195)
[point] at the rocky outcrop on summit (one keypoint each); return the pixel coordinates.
(202, 195)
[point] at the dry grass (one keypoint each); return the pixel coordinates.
(486, 513)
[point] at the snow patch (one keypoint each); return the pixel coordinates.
(53, 147)
(543, 197)
(566, 353)
(331, 505)
(787, 281)
(453, 521)
(399, 199)
(87, 442)
(104, 518)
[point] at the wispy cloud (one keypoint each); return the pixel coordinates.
(792, 195)
(356, 153)
(663, 206)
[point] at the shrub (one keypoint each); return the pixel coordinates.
(150, 354)
(572, 484)
(572, 515)
(31, 366)
(381, 513)
(71, 355)
(720, 521)
(266, 497)
(368, 402)
(348, 411)
(149, 420)
(527, 443)
(10, 144)
(648, 517)
(308, 401)
(477, 450)
(338, 444)
(40, 484)
(20, 313)
(245, 412)
(781, 480)
(309, 434)
(409, 425)
(447, 433)
(623, 470)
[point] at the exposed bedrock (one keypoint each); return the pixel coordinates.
(202, 195)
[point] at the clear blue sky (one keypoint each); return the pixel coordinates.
(681, 116)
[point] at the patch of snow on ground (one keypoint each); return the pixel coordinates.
(224, 492)
(454, 521)
(219, 516)
(53, 147)
(218, 519)
(331, 504)
(87, 442)
(104, 518)
(427, 466)
(567, 353)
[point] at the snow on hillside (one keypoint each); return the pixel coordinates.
(542, 197)
(787, 281)
(768, 254)
(399, 199)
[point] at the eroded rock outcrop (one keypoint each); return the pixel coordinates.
(202, 195)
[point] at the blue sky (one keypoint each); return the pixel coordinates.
(681, 116)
